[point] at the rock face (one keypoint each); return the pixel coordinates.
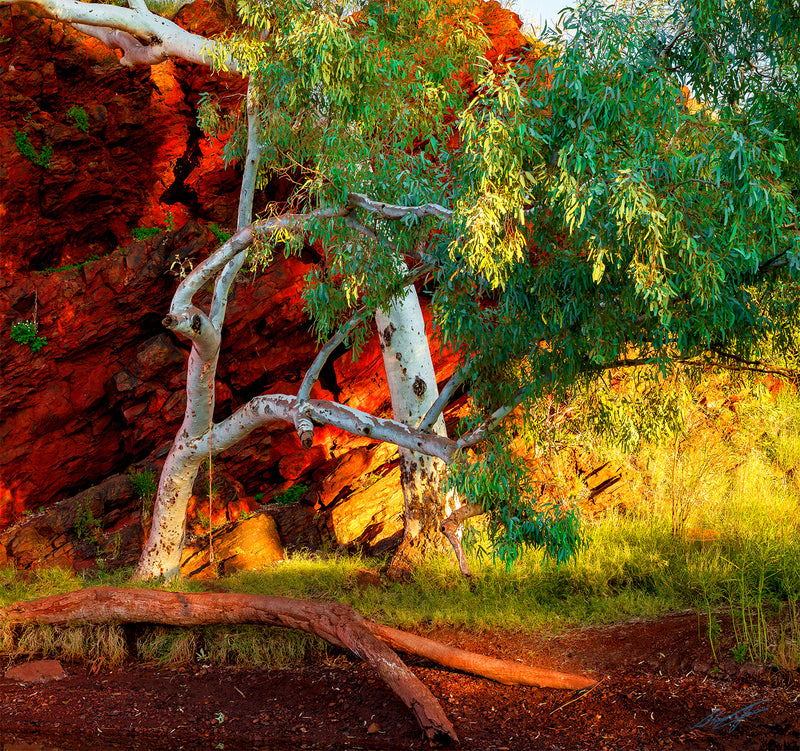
(91, 152)
(250, 544)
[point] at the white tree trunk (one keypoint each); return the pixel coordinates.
(413, 388)
(161, 556)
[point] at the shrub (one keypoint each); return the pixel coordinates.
(290, 495)
(79, 117)
(220, 234)
(39, 158)
(27, 332)
(145, 485)
(86, 526)
(142, 233)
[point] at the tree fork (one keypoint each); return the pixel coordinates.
(336, 623)
(450, 527)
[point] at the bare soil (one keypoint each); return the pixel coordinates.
(658, 683)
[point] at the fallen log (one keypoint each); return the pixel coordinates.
(336, 623)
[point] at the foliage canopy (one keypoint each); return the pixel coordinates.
(596, 217)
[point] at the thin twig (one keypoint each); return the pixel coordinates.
(580, 696)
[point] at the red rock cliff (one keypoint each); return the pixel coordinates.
(106, 390)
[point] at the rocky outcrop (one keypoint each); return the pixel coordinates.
(92, 154)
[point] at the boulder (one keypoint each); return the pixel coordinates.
(38, 671)
(245, 545)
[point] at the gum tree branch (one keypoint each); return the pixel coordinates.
(336, 623)
(164, 38)
(352, 221)
(432, 415)
(479, 434)
(302, 420)
(391, 211)
(269, 408)
(222, 286)
(208, 269)
(183, 460)
(193, 324)
(134, 53)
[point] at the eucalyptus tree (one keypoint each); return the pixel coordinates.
(570, 216)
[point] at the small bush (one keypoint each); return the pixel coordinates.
(39, 158)
(290, 495)
(143, 233)
(86, 526)
(79, 117)
(27, 332)
(220, 234)
(145, 485)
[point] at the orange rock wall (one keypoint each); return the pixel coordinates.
(106, 390)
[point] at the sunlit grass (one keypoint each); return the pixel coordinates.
(733, 548)
(56, 581)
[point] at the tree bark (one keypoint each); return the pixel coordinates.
(163, 549)
(413, 388)
(426, 504)
(336, 623)
(451, 528)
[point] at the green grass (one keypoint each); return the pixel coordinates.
(142, 233)
(70, 266)
(632, 569)
(145, 485)
(642, 563)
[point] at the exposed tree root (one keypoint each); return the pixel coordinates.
(336, 623)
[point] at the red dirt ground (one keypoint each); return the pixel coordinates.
(657, 683)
